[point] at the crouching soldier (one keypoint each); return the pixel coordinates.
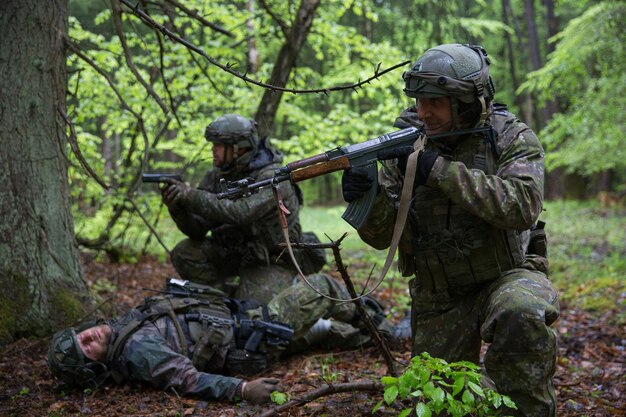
(193, 339)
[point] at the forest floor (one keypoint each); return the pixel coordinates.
(590, 379)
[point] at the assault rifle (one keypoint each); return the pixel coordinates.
(250, 333)
(160, 178)
(363, 154)
(256, 331)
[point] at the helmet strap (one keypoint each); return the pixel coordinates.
(483, 111)
(454, 108)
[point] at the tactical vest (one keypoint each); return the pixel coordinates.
(213, 331)
(450, 247)
(204, 328)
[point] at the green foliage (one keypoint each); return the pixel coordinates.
(433, 385)
(587, 73)
(587, 253)
(121, 129)
(278, 397)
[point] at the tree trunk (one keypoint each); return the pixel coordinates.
(42, 286)
(300, 27)
(253, 53)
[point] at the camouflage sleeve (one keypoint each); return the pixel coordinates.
(189, 222)
(148, 359)
(510, 199)
(244, 211)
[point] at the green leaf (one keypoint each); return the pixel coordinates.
(389, 380)
(405, 412)
(422, 410)
(278, 397)
(459, 383)
(476, 388)
(508, 402)
(377, 406)
(390, 394)
(467, 397)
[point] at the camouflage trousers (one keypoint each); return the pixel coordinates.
(207, 262)
(512, 314)
(302, 308)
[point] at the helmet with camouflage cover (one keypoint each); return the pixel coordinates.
(68, 363)
(459, 71)
(233, 129)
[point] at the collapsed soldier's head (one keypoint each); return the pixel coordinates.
(76, 358)
(452, 87)
(232, 135)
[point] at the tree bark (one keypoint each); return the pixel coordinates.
(300, 27)
(42, 286)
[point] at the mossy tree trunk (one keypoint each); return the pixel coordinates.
(42, 286)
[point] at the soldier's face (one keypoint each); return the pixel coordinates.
(436, 113)
(94, 341)
(219, 154)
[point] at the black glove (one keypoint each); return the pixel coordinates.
(258, 391)
(175, 192)
(425, 161)
(355, 183)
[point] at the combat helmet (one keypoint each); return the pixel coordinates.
(459, 71)
(233, 129)
(68, 363)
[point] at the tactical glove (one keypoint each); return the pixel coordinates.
(258, 391)
(176, 193)
(425, 161)
(355, 183)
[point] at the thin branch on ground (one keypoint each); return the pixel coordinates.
(323, 391)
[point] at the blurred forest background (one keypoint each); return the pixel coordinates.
(95, 92)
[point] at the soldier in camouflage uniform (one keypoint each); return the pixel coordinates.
(245, 235)
(190, 353)
(477, 195)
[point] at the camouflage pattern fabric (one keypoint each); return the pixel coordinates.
(152, 354)
(244, 234)
(511, 308)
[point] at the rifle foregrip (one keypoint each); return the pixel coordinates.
(359, 210)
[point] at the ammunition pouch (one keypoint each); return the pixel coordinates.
(242, 362)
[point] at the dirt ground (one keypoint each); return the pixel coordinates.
(590, 378)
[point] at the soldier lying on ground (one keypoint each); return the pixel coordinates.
(190, 343)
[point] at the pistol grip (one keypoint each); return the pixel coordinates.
(358, 210)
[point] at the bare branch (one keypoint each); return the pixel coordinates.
(283, 26)
(229, 69)
(322, 391)
(79, 155)
(365, 317)
(117, 23)
(195, 15)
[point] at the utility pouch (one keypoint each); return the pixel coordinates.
(211, 348)
(538, 244)
(242, 362)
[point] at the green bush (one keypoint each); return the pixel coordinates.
(434, 385)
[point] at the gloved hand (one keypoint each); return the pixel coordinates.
(258, 391)
(175, 192)
(425, 161)
(355, 183)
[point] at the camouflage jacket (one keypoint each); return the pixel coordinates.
(502, 195)
(251, 222)
(152, 355)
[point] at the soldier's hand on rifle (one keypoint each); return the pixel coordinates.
(425, 161)
(258, 391)
(175, 192)
(355, 183)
